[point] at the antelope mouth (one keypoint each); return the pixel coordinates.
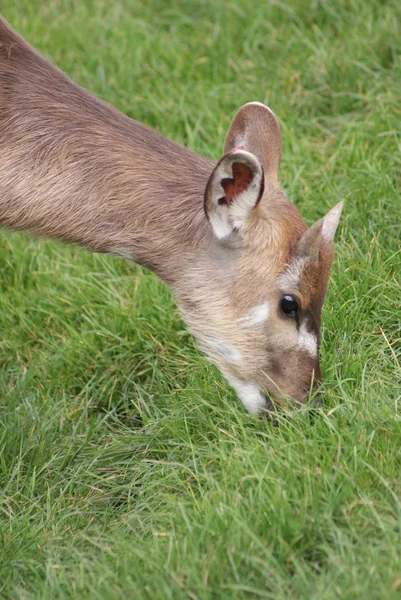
(317, 401)
(272, 407)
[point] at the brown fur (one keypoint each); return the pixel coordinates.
(75, 169)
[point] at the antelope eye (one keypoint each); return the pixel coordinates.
(289, 305)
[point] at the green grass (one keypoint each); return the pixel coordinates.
(128, 468)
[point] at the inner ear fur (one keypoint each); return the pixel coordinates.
(256, 130)
(234, 189)
(238, 183)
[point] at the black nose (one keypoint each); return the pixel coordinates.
(270, 409)
(317, 401)
(269, 406)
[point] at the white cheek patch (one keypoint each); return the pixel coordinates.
(249, 394)
(307, 341)
(221, 349)
(256, 316)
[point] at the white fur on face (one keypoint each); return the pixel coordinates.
(307, 341)
(290, 278)
(221, 348)
(249, 394)
(256, 316)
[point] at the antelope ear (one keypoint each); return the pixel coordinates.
(320, 235)
(256, 130)
(232, 192)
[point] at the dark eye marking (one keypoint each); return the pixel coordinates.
(289, 305)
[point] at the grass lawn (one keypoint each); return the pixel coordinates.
(128, 468)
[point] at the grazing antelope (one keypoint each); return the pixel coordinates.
(249, 276)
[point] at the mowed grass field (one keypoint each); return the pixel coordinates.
(128, 468)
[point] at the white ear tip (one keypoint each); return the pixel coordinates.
(256, 103)
(331, 220)
(261, 105)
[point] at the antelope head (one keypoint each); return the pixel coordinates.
(257, 293)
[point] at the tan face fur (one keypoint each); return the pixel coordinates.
(259, 251)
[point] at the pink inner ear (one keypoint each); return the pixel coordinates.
(237, 148)
(242, 177)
